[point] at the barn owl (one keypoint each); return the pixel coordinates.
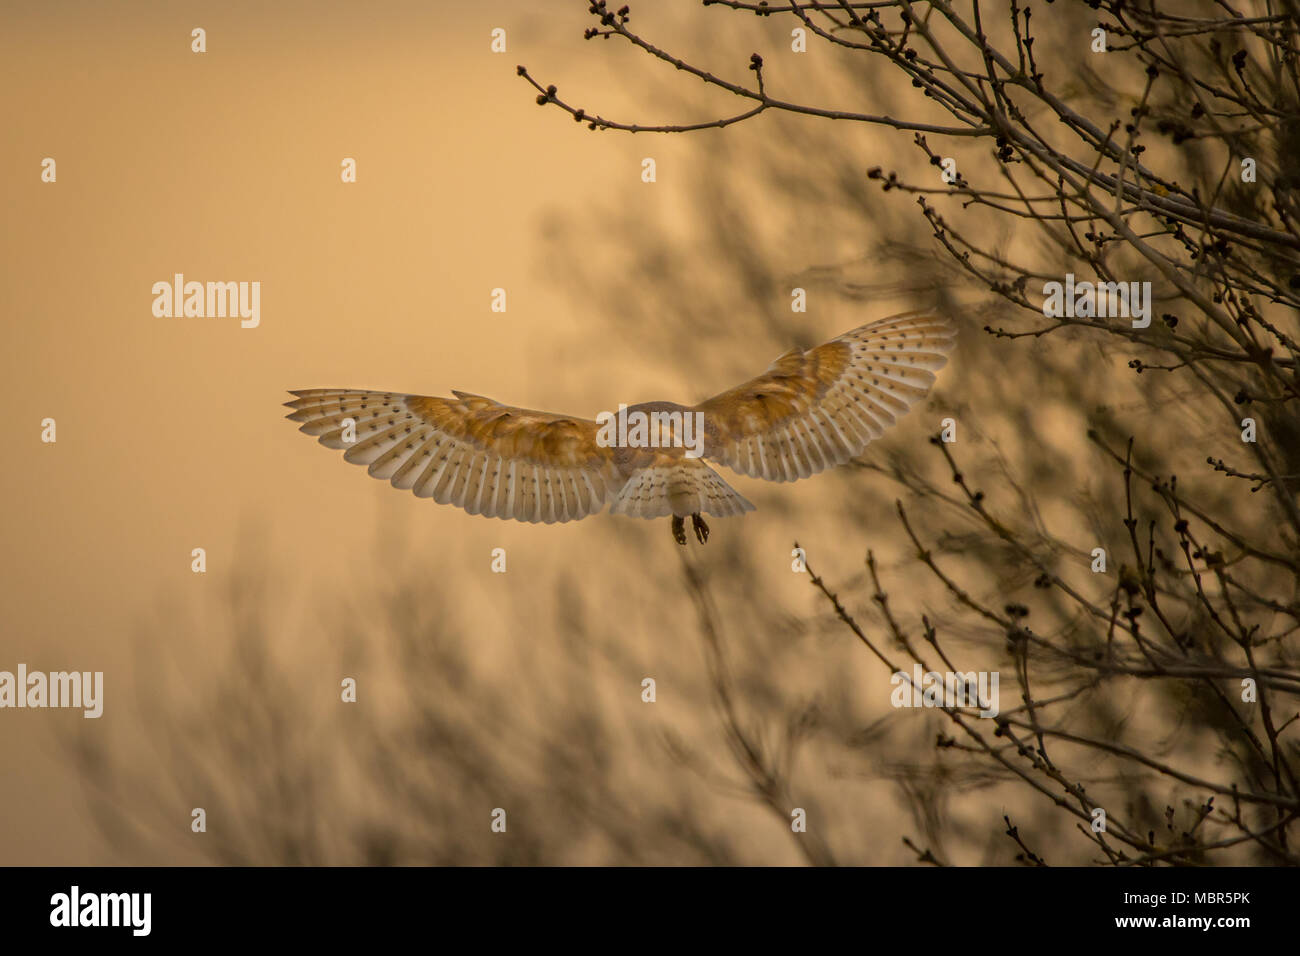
(808, 412)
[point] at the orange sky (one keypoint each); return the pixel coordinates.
(224, 166)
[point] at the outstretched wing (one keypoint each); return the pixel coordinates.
(812, 410)
(470, 451)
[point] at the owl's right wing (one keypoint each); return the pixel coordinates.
(812, 410)
(472, 452)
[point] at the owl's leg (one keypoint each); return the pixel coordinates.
(679, 530)
(701, 529)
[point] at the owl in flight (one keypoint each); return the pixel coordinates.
(809, 411)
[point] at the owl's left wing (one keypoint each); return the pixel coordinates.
(477, 454)
(812, 410)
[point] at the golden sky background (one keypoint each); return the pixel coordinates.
(225, 166)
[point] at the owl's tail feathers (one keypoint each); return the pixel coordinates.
(681, 487)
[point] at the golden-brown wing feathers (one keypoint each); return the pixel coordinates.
(812, 410)
(808, 411)
(480, 455)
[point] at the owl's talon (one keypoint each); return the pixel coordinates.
(701, 529)
(679, 530)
